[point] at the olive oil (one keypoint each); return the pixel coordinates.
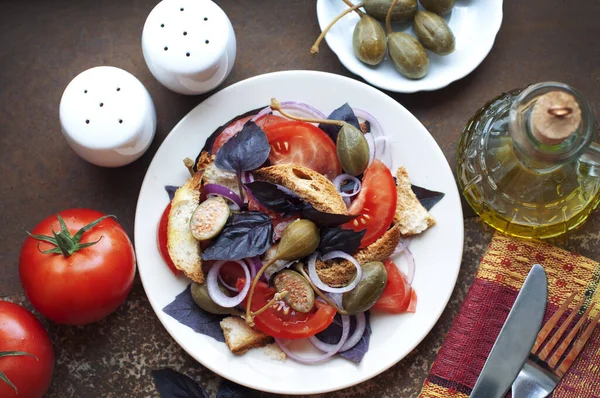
(528, 179)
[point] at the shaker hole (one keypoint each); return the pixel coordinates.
(206, 19)
(85, 91)
(120, 120)
(162, 25)
(181, 9)
(166, 48)
(187, 54)
(185, 33)
(118, 88)
(87, 121)
(206, 41)
(101, 104)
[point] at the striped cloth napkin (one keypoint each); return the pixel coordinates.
(501, 274)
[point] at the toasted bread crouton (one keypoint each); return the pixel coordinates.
(309, 185)
(337, 273)
(240, 337)
(183, 248)
(410, 215)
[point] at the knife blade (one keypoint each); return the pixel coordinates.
(515, 339)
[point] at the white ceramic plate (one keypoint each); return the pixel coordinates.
(437, 252)
(474, 23)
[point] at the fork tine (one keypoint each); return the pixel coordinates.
(567, 341)
(577, 347)
(541, 337)
(559, 333)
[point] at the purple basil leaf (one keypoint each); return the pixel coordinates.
(246, 234)
(210, 141)
(245, 151)
(185, 310)
(346, 240)
(229, 389)
(427, 198)
(325, 219)
(270, 196)
(171, 190)
(172, 384)
(344, 113)
(332, 335)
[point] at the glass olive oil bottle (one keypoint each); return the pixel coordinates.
(528, 163)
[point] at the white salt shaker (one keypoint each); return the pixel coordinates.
(107, 116)
(189, 45)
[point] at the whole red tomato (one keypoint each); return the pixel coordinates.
(26, 355)
(82, 271)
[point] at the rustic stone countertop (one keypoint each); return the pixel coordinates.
(44, 44)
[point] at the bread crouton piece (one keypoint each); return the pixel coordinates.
(214, 175)
(183, 248)
(410, 215)
(309, 185)
(338, 273)
(240, 337)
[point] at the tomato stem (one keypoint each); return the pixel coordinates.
(315, 48)
(64, 242)
(276, 106)
(3, 376)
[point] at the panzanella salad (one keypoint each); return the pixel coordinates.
(286, 227)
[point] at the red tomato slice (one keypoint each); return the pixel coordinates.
(236, 126)
(231, 272)
(293, 325)
(162, 239)
(303, 144)
(375, 204)
(398, 295)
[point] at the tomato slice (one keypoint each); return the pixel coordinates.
(162, 239)
(375, 204)
(303, 144)
(398, 296)
(230, 272)
(293, 325)
(236, 126)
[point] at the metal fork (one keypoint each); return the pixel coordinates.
(542, 372)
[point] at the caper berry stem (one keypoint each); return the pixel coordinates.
(278, 296)
(359, 12)
(249, 314)
(276, 106)
(320, 293)
(388, 18)
(189, 164)
(315, 48)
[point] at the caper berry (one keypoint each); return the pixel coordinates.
(368, 290)
(403, 11)
(202, 299)
(300, 238)
(369, 41)
(440, 7)
(408, 55)
(434, 33)
(352, 150)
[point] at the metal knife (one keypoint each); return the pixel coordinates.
(515, 339)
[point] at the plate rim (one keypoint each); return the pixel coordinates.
(495, 29)
(157, 308)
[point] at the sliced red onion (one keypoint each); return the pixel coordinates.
(383, 149)
(247, 177)
(262, 113)
(402, 245)
(212, 283)
(359, 330)
(337, 182)
(227, 286)
(312, 271)
(305, 109)
(255, 265)
(410, 265)
(282, 343)
(372, 149)
(220, 190)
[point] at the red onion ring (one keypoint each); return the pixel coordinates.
(359, 330)
(372, 148)
(312, 271)
(382, 152)
(220, 190)
(247, 177)
(402, 245)
(212, 283)
(337, 182)
(227, 286)
(308, 110)
(262, 113)
(282, 343)
(410, 265)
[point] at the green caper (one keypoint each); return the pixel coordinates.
(408, 55)
(299, 239)
(440, 7)
(300, 295)
(202, 299)
(368, 290)
(369, 41)
(352, 150)
(434, 33)
(403, 11)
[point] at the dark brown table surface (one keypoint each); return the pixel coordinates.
(44, 44)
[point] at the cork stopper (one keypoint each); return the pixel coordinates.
(556, 115)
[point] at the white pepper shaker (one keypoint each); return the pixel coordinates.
(107, 116)
(189, 45)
